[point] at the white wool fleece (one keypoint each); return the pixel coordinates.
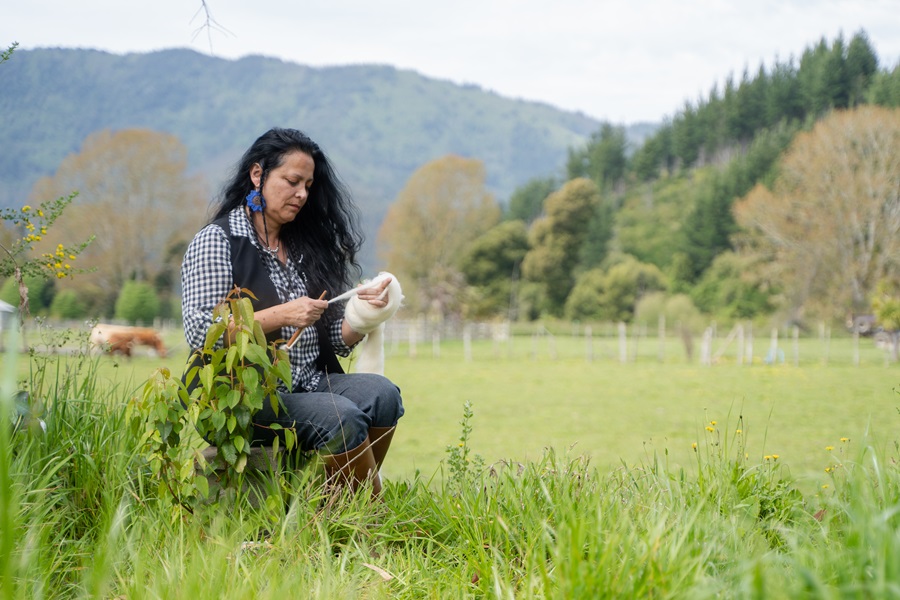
(369, 320)
(365, 318)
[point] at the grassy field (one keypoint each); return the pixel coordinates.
(590, 485)
(534, 393)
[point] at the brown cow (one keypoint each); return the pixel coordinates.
(119, 339)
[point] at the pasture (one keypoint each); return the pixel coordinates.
(590, 484)
(534, 392)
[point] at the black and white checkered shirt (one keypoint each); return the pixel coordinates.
(206, 279)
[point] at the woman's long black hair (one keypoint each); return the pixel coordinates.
(325, 231)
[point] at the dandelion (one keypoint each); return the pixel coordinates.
(767, 457)
(710, 428)
(825, 487)
(738, 431)
(713, 423)
(694, 446)
(845, 439)
(774, 457)
(828, 469)
(829, 448)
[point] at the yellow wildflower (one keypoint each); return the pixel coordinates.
(26, 208)
(738, 431)
(694, 446)
(710, 428)
(712, 423)
(767, 457)
(774, 457)
(829, 448)
(825, 487)
(845, 439)
(40, 213)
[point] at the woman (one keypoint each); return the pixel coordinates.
(284, 230)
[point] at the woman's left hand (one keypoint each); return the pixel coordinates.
(374, 295)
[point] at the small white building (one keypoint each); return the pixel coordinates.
(7, 319)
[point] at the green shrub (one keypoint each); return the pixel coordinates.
(137, 302)
(68, 305)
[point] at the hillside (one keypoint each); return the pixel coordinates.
(378, 123)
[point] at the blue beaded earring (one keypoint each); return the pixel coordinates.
(255, 201)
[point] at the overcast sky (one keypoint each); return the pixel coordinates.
(621, 60)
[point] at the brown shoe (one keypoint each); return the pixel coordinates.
(353, 468)
(380, 438)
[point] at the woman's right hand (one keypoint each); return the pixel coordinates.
(303, 311)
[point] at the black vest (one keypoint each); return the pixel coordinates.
(249, 272)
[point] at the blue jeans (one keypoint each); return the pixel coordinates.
(336, 417)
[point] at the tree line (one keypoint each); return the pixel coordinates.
(624, 224)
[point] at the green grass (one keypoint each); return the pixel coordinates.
(525, 401)
(631, 510)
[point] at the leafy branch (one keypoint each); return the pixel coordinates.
(223, 388)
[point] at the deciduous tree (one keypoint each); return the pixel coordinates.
(557, 239)
(491, 267)
(441, 210)
(135, 196)
(830, 226)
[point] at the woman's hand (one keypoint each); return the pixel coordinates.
(374, 295)
(378, 298)
(303, 311)
(299, 313)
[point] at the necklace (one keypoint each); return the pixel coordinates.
(264, 242)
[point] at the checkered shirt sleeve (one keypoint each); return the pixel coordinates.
(205, 281)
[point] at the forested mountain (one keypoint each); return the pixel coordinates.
(378, 123)
(662, 216)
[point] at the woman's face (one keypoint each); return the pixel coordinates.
(287, 187)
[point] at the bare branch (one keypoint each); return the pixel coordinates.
(208, 24)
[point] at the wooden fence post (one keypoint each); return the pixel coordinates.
(796, 346)
(589, 343)
(748, 356)
(661, 333)
(773, 347)
(706, 347)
